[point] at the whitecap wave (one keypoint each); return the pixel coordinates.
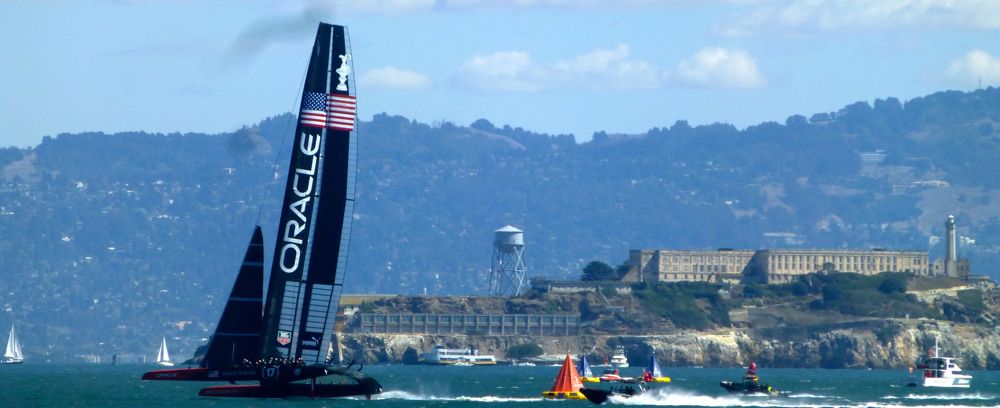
(675, 397)
(489, 398)
(409, 396)
(804, 395)
(973, 396)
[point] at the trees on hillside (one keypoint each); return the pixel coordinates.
(598, 271)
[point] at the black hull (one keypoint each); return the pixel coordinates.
(748, 389)
(596, 396)
(366, 387)
(279, 385)
(295, 390)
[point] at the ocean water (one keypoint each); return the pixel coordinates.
(53, 385)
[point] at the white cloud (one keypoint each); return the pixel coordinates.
(607, 69)
(799, 17)
(718, 68)
(975, 65)
(390, 7)
(394, 78)
(515, 71)
(510, 71)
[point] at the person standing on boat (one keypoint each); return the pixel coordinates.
(752, 372)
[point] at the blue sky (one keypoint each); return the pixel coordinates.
(553, 66)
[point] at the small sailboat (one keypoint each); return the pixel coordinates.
(13, 354)
(567, 384)
(162, 355)
(586, 375)
(652, 371)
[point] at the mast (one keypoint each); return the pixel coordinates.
(310, 253)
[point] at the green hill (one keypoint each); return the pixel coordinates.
(112, 240)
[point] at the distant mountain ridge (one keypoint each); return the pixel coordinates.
(121, 238)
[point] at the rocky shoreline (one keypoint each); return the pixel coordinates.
(891, 343)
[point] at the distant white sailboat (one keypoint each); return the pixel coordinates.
(13, 353)
(162, 355)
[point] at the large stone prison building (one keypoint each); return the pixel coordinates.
(768, 265)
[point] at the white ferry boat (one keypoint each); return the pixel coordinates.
(618, 360)
(942, 371)
(467, 356)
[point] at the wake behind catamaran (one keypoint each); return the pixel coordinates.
(288, 338)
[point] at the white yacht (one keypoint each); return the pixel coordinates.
(618, 360)
(942, 371)
(469, 356)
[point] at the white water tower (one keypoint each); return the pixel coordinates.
(507, 270)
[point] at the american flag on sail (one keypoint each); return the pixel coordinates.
(335, 111)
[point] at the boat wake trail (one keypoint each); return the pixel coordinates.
(797, 395)
(409, 396)
(974, 396)
(676, 397)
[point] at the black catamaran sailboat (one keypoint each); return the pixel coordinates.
(284, 343)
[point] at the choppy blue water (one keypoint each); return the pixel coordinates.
(48, 385)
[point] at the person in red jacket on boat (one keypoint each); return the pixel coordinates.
(751, 372)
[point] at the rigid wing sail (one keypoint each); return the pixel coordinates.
(284, 339)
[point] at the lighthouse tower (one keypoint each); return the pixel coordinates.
(951, 249)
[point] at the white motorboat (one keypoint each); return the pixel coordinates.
(941, 371)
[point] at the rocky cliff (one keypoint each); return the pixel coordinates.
(895, 343)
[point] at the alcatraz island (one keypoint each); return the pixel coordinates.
(828, 308)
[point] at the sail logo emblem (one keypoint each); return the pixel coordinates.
(313, 341)
(343, 71)
(284, 337)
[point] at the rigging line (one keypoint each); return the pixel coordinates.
(281, 147)
(353, 172)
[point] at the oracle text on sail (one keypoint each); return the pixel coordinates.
(303, 186)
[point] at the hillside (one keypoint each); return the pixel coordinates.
(814, 300)
(834, 320)
(112, 240)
